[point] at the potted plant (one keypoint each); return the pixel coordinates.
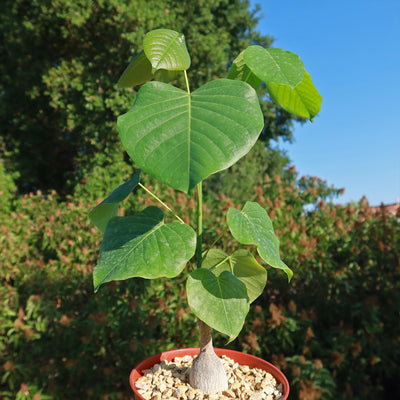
(180, 138)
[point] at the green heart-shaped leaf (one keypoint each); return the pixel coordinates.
(108, 208)
(242, 265)
(182, 138)
(220, 301)
(166, 49)
(252, 225)
(143, 245)
(303, 100)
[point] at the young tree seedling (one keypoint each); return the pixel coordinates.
(180, 138)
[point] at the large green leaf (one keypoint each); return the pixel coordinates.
(252, 225)
(182, 138)
(137, 72)
(166, 49)
(108, 208)
(242, 265)
(220, 301)
(143, 245)
(303, 100)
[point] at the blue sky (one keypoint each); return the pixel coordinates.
(352, 51)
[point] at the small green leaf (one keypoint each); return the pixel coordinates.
(252, 225)
(220, 301)
(180, 138)
(166, 49)
(137, 72)
(303, 100)
(144, 246)
(242, 265)
(108, 208)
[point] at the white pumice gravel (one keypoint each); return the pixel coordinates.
(169, 380)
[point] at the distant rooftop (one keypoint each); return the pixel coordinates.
(387, 208)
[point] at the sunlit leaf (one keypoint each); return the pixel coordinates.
(303, 100)
(288, 83)
(143, 245)
(180, 139)
(242, 265)
(240, 71)
(274, 65)
(252, 225)
(166, 49)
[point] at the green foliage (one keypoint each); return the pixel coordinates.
(242, 265)
(334, 330)
(274, 65)
(180, 138)
(288, 84)
(142, 245)
(108, 208)
(339, 302)
(338, 316)
(303, 100)
(8, 189)
(60, 64)
(219, 300)
(137, 72)
(55, 337)
(311, 379)
(166, 49)
(169, 132)
(252, 225)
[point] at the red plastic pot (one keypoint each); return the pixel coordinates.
(241, 358)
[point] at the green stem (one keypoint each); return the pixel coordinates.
(199, 245)
(187, 82)
(199, 224)
(162, 203)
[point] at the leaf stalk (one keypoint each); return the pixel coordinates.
(162, 203)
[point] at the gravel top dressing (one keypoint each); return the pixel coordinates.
(169, 380)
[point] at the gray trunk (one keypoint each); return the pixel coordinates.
(207, 372)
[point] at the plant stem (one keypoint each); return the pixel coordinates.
(199, 224)
(162, 203)
(187, 82)
(205, 334)
(199, 188)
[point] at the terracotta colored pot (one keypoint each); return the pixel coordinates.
(241, 358)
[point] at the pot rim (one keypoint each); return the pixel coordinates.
(238, 356)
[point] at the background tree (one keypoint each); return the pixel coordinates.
(60, 61)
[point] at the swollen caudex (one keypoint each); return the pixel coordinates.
(207, 372)
(169, 380)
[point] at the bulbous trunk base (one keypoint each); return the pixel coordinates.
(207, 372)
